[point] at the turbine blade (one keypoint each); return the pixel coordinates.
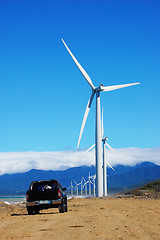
(114, 87)
(91, 163)
(110, 165)
(90, 148)
(85, 117)
(79, 66)
(110, 147)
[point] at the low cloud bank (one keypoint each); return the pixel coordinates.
(16, 162)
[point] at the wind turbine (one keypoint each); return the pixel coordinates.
(82, 185)
(90, 182)
(77, 186)
(98, 143)
(71, 187)
(85, 185)
(93, 178)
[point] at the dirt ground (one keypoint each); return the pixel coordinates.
(91, 218)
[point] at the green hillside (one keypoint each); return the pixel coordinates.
(153, 186)
(150, 190)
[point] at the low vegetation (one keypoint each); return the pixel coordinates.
(150, 190)
(152, 186)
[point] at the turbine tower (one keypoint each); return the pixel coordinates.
(104, 159)
(105, 191)
(98, 140)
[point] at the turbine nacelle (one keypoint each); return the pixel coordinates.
(99, 88)
(104, 139)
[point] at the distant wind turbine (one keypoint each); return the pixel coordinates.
(77, 186)
(71, 187)
(98, 142)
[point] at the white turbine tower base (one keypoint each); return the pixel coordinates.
(98, 142)
(105, 191)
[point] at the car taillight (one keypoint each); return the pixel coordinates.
(27, 198)
(59, 193)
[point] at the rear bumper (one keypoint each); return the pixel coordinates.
(42, 204)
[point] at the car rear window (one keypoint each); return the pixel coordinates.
(44, 185)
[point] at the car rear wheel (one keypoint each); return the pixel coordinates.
(30, 210)
(62, 207)
(36, 211)
(66, 207)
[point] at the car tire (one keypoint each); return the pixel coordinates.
(62, 207)
(30, 210)
(66, 207)
(36, 211)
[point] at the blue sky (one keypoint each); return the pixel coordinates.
(43, 95)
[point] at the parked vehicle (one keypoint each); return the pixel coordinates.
(44, 195)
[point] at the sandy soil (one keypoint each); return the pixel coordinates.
(87, 219)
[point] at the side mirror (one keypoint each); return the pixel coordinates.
(64, 189)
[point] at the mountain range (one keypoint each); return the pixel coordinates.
(123, 178)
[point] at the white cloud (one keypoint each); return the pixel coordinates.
(16, 162)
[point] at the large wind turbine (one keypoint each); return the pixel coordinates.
(98, 142)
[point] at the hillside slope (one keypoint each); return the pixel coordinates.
(124, 177)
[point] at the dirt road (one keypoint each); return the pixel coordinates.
(87, 219)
